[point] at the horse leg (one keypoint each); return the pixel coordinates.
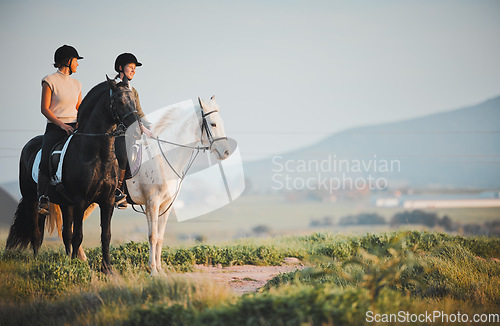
(76, 241)
(38, 230)
(67, 231)
(106, 214)
(37, 222)
(38, 233)
(81, 253)
(152, 208)
(162, 223)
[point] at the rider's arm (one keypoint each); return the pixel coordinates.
(138, 107)
(145, 124)
(79, 101)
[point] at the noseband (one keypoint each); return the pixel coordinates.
(204, 127)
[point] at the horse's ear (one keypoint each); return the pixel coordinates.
(213, 98)
(111, 82)
(125, 80)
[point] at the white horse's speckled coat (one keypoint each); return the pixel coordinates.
(156, 183)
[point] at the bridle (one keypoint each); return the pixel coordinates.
(196, 150)
(204, 127)
(119, 120)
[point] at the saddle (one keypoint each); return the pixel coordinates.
(58, 151)
(55, 157)
(55, 165)
(55, 168)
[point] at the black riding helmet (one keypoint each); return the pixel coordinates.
(124, 59)
(64, 53)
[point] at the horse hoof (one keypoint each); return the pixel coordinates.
(158, 272)
(107, 270)
(81, 254)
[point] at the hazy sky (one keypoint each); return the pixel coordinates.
(285, 73)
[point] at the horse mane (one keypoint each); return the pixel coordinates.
(167, 118)
(90, 102)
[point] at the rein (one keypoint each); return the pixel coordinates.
(211, 140)
(119, 131)
(195, 152)
(204, 127)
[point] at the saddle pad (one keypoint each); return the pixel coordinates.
(36, 163)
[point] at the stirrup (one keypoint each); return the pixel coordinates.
(119, 195)
(120, 199)
(122, 203)
(43, 205)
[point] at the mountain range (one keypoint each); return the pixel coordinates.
(454, 149)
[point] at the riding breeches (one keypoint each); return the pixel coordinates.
(121, 152)
(53, 135)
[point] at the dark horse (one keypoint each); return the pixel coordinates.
(90, 172)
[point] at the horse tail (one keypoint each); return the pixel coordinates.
(89, 211)
(24, 229)
(20, 234)
(54, 221)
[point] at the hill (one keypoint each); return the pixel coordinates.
(454, 149)
(9, 205)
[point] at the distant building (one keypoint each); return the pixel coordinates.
(448, 203)
(387, 202)
(485, 199)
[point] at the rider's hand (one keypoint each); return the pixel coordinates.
(69, 130)
(146, 131)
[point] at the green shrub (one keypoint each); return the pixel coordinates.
(54, 278)
(362, 219)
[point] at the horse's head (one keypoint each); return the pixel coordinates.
(122, 104)
(213, 129)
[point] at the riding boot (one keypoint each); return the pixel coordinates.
(43, 199)
(120, 197)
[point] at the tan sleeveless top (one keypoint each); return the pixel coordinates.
(65, 93)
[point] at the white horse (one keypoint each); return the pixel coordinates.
(165, 162)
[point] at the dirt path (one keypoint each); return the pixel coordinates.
(244, 279)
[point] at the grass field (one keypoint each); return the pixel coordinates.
(347, 280)
(280, 216)
(277, 214)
